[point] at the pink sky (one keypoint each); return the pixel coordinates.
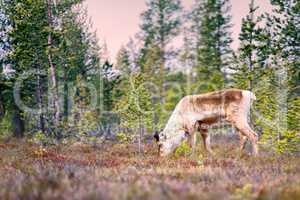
(117, 20)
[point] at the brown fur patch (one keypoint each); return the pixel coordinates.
(211, 100)
(219, 97)
(208, 121)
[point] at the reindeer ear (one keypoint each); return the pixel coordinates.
(156, 136)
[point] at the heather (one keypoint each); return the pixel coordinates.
(118, 171)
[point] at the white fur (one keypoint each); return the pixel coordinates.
(248, 97)
(174, 132)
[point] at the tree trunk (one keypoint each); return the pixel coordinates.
(141, 150)
(54, 86)
(65, 106)
(162, 46)
(18, 123)
(66, 95)
(40, 102)
(251, 63)
(2, 108)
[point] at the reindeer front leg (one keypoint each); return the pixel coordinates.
(192, 140)
(190, 129)
(206, 141)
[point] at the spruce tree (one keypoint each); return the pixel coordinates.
(211, 23)
(247, 67)
(123, 64)
(135, 108)
(284, 24)
(266, 66)
(160, 25)
(43, 36)
(123, 61)
(80, 65)
(4, 50)
(27, 38)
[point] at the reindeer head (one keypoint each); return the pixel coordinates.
(167, 142)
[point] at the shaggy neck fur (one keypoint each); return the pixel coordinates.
(175, 123)
(174, 132)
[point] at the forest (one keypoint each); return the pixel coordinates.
(75, 125)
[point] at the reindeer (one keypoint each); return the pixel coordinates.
(197, 112)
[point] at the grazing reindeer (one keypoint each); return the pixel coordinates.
(197, 112)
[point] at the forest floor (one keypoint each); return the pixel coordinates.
(117, 171)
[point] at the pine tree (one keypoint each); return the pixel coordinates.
(283, 25)
(247, 48)
(4, 49)
(264, 65)
(160, 26)
(81, 58)
(46, 35)
(123, 60)
(27, 39)
(211, 22)
(249, 64)
(53, 69)
(135, 107)
(123, 64)
(84, 118)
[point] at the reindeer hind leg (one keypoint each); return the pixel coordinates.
(243, 140)
(245, 130)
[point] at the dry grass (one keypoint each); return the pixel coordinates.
(116, 171)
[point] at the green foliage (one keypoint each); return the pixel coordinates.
(111, 89)
(40, 138)
(160, 25)
(125, 138)
(267, 67)
(161, 22)
(246, 192)
(285, 23)
(183, 150)
(249, 64)
(289, 142)
(5, 125)
(123, 61)
(294, 114)
(210, 26)
(84, 118)
(175, 90)
(135, 108)
(267, 107)
(74, 51)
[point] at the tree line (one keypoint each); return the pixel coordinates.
(75, 89)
